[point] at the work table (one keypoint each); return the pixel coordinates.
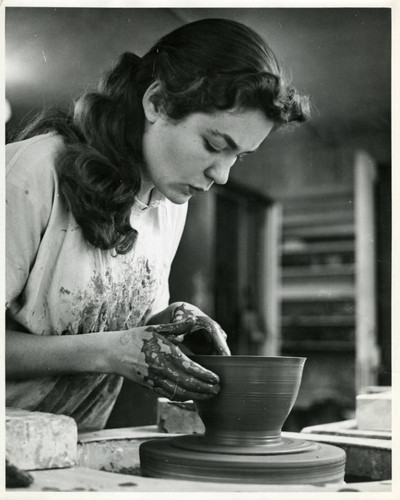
(102, 457)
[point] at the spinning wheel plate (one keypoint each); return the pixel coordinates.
(285, 445)
(319, 464)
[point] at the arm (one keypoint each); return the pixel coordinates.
(31, 356)
(145, 355)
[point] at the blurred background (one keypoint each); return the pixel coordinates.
(293, 255)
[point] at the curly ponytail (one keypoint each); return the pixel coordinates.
(99, 167)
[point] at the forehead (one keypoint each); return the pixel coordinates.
(247, 128)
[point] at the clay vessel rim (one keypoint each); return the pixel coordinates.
(241, 357)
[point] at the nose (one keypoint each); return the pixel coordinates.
(220, 169)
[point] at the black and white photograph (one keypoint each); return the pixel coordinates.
(198, 249)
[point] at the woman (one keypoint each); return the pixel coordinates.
(96, 205)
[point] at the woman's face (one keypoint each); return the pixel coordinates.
(187, 156)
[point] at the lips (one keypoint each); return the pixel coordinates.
(201, 189)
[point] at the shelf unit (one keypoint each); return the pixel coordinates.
(318, 269)
(328, 283)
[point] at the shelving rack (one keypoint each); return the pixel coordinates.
(318, 265)
(328, 283)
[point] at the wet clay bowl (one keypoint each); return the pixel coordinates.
(257, 394)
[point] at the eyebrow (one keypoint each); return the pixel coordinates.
(228, 139)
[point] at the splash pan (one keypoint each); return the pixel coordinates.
(242, 442)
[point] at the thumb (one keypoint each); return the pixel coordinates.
(175, 329)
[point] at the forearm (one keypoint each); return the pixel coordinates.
(29, 356)
(142, 354)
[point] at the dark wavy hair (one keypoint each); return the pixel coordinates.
(205, 66)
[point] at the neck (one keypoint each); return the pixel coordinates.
(144, 194)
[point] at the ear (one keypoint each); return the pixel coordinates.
(150, 102)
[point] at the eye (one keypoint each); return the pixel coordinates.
(210, 147)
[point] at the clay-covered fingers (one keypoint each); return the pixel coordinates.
(188, 366)
(174, 391)
(179, 378)
(187, 379)
(172, 374)
(216, 334)
(176, 329)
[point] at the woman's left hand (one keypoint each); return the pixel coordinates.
(204, 325)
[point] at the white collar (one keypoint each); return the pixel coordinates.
(156, 200)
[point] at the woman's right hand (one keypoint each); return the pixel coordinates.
(149, 356)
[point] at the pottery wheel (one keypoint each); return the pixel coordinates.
(284, 445)
(184, 458)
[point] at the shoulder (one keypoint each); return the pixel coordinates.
(33, 156)
(30, 170)
(31, 162)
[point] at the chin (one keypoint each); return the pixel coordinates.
(179, 200)
(178, 197)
